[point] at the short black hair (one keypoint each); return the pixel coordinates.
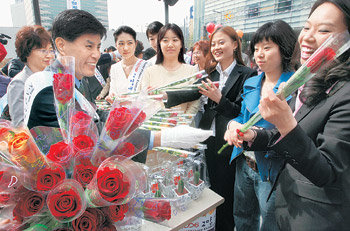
(111, 48)
(73, 23)
(149, 53)
(177, 30)
(124, 29)
(153, 28)
(282, 34)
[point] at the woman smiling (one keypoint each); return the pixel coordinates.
(170, 65)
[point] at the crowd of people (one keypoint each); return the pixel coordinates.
(289, 172)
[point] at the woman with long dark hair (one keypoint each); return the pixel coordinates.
(170, 65)
(313, 191)
(126, 75)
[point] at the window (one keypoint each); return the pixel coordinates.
(283, 6)
(253, 10)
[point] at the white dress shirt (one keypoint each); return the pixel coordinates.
(224, 74)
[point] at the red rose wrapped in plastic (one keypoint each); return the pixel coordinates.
(116, 181)
(59, 153)
(91, 219)
(125, 149)
(321, 57)
(29, 203)
(47, 178)
(80, 116)
(157, 210)
(119, 119)
(63, 86)
(66, 201)
(84, 171)
(82, 142)
(116, 212)
(113, 185)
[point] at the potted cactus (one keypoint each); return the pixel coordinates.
(196, 186)
(182, 196)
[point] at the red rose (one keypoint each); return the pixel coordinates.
(48, 178)
(116, 212)
(83, 142)
(112, 184)
(84, 172)
(138, 121)
(320, 59)
(63, 87)
(80, 116)
(29, 203)
(117, 122)
(125, 149)
(1, 174)
(59, 152)
(157, 210)
(64, 204)
(91, 220)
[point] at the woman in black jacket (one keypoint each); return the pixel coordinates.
(224, 64)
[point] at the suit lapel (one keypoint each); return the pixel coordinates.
(303, 111)
(232, 79)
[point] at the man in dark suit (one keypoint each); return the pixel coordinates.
(75, 33)
(221, 173)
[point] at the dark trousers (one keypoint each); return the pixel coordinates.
(222, 179)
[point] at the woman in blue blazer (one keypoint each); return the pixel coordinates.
(272, 45)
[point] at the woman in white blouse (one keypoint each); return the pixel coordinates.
(126, 75)
(170, 65)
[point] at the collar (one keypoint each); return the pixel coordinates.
(255, 82)
(228, 70)
(77, 82)
(27, 70)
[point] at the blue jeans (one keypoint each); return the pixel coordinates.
(250, 196)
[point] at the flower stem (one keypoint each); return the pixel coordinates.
(223, 148)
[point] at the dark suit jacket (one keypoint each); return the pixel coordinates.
(313, 191)
(228, 107)
(43, 113)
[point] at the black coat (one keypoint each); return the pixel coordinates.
(313, 191)
(228, 107)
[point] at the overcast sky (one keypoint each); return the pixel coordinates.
(135, 13)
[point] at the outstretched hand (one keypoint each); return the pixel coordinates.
(211, 91)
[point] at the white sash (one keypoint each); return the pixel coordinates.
(40, 80)
(136, 74)
(99, 77)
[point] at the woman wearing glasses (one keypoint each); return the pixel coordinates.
(34, 48)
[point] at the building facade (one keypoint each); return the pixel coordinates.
(248, 15)
(49, 9)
